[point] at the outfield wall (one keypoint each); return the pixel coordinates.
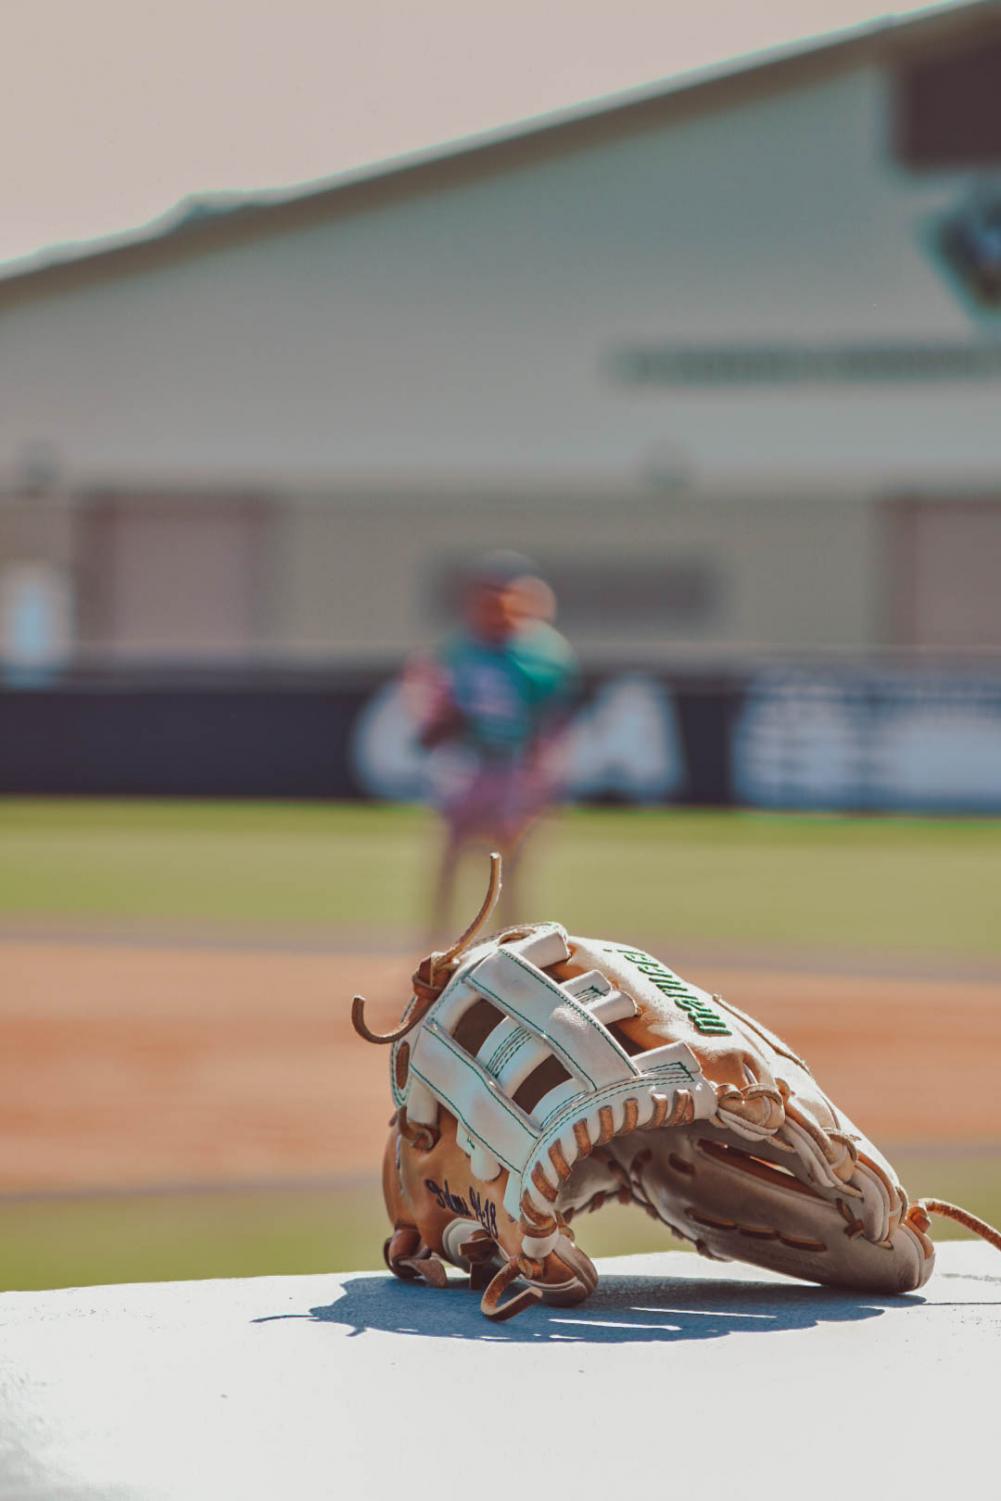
(878, 739)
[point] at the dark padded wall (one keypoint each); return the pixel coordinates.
(253, 741)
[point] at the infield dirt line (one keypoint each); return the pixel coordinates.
(412, 945)
(135, 1066)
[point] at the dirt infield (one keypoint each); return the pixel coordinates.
(144, 1067)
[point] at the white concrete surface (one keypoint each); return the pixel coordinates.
(679, 1373)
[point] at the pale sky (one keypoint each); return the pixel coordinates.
(112, 111)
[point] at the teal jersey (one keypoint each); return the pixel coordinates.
(508, 693)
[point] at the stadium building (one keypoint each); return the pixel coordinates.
(725, 356)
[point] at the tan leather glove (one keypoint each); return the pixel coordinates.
(537, 1073)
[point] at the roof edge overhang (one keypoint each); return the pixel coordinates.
(530, 142)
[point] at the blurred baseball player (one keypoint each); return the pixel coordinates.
(490, 706)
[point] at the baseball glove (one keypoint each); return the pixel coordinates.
(536, 1075)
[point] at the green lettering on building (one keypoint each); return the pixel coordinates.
(705, 1018)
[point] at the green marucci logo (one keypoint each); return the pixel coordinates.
(705, 1018)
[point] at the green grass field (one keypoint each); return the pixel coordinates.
(902, 890)
(900, 887)
(76, 1241)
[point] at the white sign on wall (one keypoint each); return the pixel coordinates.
(35, 616)
(624, 743)
(888, 741)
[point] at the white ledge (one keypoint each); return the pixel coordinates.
(677, 1372)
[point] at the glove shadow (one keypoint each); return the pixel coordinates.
(622, 1310)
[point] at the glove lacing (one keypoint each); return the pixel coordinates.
(434, 972)
(962, 1217)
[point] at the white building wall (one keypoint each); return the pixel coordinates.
(469, 332)
(787, 574)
